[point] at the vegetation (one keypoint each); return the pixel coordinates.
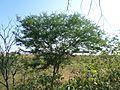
(57, 36)
(95, 73)
(48, 62)
(7, 59)
(83, 72)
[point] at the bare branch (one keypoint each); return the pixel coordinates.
(2, 83)
(11, 40)
(11, 44)
(81, 3)
(90, 7)
(1, 36)
(68, 4)
(8, 32)
(7, 39)
(99, 19)
(100, 7)
(1, 49)
(100, 11)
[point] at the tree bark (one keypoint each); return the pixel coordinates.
(55, 72)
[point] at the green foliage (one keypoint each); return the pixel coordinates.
(52, 39)
(89, 73)
(42, 82)
(56, 36)
(96, 73)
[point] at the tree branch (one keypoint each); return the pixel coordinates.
(90, 7)
(2, 83)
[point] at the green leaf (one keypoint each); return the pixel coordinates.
(93, 71)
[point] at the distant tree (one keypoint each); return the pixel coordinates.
(55, 37)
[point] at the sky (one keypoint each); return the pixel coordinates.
(10, 8)
(110, 10)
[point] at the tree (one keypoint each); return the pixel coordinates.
(7, 41)
(113, 47)
(55, 37)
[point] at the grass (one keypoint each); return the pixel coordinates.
(80, 71)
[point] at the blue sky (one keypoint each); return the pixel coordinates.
(10, 8)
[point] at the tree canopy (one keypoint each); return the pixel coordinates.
(56, 36)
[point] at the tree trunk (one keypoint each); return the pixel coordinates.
(7, 85)
(55, 72)
(6, 81)
(13, 79)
